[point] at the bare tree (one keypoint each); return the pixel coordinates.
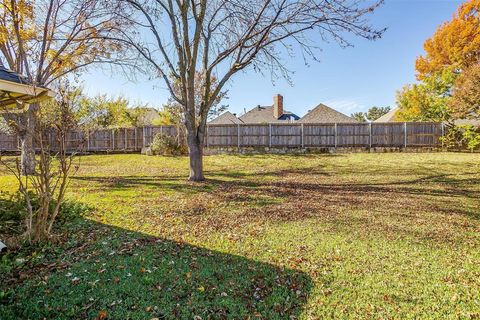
(45, 40)
(178, 38)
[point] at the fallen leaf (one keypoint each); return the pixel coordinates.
(102, 315)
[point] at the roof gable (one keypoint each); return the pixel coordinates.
(226, 118)
(264, 114)
(325, 114)
(389, 116)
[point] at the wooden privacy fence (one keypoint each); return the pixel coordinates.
(101, 140)
(370, 135)
(326, 135)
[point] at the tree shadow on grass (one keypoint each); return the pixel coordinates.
(458, 187)
(179, 183)
(129, 275)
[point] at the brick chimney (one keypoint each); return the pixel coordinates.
(277, 106)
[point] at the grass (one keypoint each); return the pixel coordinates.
(359, 236)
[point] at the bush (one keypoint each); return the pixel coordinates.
(471, 137)
(462, 137)
(452, 139)
(167, 145)
(13, 212)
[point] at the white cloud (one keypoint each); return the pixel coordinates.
(347, 106)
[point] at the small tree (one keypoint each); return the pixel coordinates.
(44, 192)
(376, 112)
(371, 115)
(45, 40)
(426, 101)
(359, 116)
(470, 137)
(179, 39)
(462, 137)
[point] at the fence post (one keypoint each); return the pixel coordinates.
(405, 134)
(126, 140)
(238, 137)
(136, 142)
(88, 140)
(269, 135)
(113, 139)
(50, 139)
(443, 134)
(370, 135)
(303, 143)
(335, 136)
(206, 136)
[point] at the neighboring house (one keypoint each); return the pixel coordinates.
(389, 117)
(269, 114)
(226, 118)
(392, 117)
(276, 114)
(325, 114)
(260, 114)
(147, 116)
(471, 122)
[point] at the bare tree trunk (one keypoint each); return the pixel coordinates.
(195, 151)
(27, 141)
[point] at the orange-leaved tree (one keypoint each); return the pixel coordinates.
(466, 94)
(455, 44)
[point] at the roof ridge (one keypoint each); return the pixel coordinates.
(324, 113)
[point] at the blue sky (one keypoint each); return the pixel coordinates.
(349, 80)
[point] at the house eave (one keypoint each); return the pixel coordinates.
(15, 96)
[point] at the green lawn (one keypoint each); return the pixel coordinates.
(361, 236)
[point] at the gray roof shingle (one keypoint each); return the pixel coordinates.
(392, 117)
(389, 117)
(9, 75)
(325, 114)
(264, 114)
(226, 118)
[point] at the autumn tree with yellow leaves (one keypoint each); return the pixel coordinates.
(45, 40)
(453, 49)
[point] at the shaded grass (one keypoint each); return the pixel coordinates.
(127, 275)
(376, 235)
